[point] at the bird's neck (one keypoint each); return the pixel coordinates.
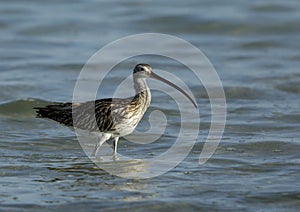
(142, 90)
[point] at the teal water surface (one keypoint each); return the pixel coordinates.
(253, 45)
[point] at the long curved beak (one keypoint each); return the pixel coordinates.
(155, 76)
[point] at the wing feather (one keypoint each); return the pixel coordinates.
(81, 115)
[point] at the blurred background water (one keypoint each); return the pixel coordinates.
(254, 46)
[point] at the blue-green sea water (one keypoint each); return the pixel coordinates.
(254, 47)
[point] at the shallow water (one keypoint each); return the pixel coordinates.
(254, 47)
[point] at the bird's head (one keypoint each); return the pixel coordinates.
(142, 70)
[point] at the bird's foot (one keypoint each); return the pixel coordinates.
(115, 157)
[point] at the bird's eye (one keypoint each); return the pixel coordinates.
(142, 69)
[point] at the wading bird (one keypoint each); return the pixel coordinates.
(114, 117)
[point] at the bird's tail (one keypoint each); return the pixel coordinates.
(60, 112)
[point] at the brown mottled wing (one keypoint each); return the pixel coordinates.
(102, 111)
(82, 115)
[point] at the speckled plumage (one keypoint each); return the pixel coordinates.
(109, 113)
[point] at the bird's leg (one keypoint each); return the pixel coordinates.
(116, 145)
(103, 138)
